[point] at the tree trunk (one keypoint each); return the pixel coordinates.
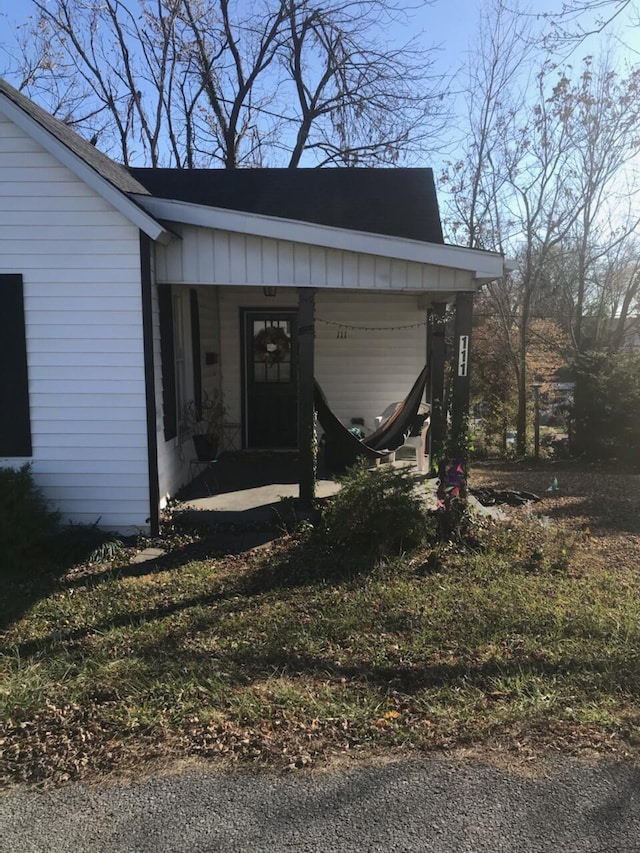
(521, 438)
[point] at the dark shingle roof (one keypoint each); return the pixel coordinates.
(395, 202)
(113, 172)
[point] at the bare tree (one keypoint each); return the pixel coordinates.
(195, 82)
(512, 188)
(494, 82)
(603, 118)
(577, 20)
(358, 100)
(545, 178)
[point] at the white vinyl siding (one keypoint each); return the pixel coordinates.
(365, 369)
(80, 263)
(205, 256)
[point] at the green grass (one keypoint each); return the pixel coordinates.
(296, 655)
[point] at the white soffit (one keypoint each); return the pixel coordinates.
(82, 170)
(486, 266)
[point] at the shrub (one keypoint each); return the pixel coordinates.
(26, 521)
(607, 405)
(85, 543)
(377, 512)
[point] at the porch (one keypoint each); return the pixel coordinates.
(254, 308)
(247, 488)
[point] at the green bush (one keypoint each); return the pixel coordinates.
(378, 512)
(85, 543)
(26, 521)
(606, 408)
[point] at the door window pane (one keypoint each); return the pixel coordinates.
(272, 350)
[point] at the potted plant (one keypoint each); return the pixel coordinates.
(205, 422)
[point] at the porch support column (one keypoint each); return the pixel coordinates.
(306, 411)
(437, 353)
(461, 373)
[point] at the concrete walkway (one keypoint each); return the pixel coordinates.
(262, 504)
(439, 806)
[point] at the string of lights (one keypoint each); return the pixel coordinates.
(348, 327)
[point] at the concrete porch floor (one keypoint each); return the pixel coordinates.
(247, 487)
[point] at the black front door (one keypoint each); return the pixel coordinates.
(271, 400)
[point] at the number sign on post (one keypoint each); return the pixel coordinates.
(463, 355)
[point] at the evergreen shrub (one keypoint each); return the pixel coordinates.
(26, 520)
(379, 512)
(606, 409)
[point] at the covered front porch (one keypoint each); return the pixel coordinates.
(365, 349)
(257, 308)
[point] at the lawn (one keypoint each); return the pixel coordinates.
(524, 638)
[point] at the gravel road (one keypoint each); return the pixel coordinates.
(431, 805)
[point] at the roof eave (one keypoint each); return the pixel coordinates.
(485, 266)
(123, 202)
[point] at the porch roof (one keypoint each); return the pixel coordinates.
(478, 266)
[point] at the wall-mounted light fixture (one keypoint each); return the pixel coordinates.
(269, 291)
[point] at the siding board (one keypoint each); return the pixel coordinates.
(362, 373)
(220, 256)
(237, 259)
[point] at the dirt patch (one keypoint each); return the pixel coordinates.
(603, 502)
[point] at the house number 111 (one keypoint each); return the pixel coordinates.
(463, 355)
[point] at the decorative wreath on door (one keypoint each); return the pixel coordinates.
(271, 345)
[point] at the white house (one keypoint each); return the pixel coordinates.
(125, 294)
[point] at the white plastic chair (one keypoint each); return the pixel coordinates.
(416, 442)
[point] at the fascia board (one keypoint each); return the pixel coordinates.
(485, 265)
(121, 201)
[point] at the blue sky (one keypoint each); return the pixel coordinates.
(449, 24)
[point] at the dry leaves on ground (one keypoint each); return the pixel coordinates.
(603, 502)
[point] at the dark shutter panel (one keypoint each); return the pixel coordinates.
(195, 351)
(15, 421)
(168, 362)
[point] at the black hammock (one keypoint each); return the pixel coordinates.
(343, 448)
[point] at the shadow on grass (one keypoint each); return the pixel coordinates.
(130, 619)
(304, 564)
(610, 515)
(214, 544)
(280, 646)
(615, 675)
(22, 588)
